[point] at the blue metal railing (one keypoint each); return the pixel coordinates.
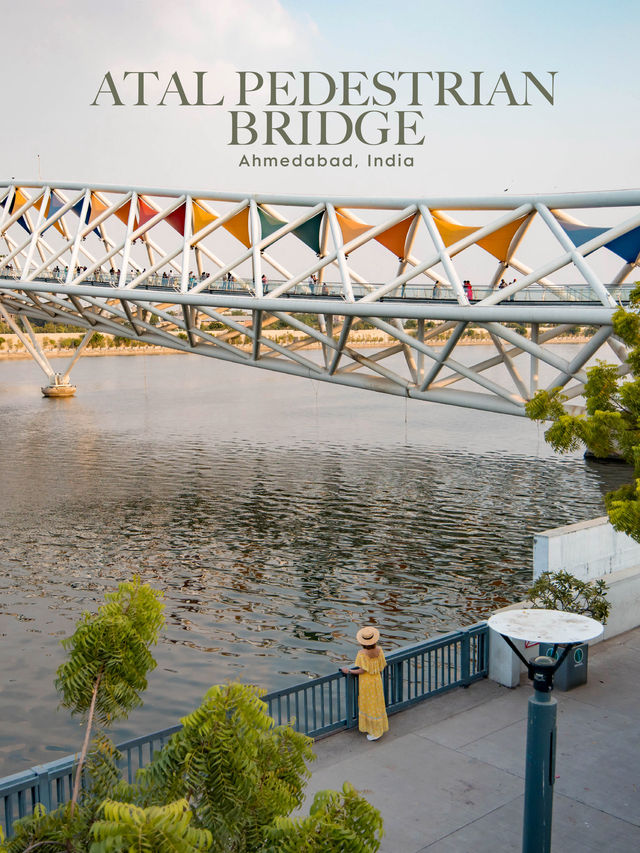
(318, 707)
(333, 289)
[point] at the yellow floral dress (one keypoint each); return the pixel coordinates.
(372, 715)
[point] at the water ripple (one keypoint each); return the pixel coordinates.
(272, 534)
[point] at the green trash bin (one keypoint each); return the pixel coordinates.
(573, 671)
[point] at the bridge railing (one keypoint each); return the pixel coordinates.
(318, 707)
(426, 292)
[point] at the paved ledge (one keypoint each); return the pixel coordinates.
(449, 775)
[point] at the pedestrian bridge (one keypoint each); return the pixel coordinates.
(294, 283)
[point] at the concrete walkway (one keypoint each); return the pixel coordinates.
(449, 775)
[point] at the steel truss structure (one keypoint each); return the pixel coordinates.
(214, 274)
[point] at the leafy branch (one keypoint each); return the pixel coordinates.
(563, 591)
(109, 659)
(611, 424)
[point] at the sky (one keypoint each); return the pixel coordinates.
(54, 65)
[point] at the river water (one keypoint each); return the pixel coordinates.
(276, 514)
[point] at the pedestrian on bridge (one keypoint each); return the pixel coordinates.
(372, 716)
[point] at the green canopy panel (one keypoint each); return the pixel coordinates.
(269, 223)
(309, 232)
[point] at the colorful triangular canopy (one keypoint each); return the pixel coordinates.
(176, 218)
(395, 238)
(238, 225)
(123, 212)
(627, 246)
(269, 223)
(451, 232)
(201, 217)
(77, 209)
(53, 206)
(350, 228)
(145, 212)
(497, 243)
(309, 232)
(97, 207)
(19, 198)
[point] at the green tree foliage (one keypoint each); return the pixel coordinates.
(563, 591)
(611, 424)
(337, 821)
(131, 829)
(109, 659)
(227, 781)
(236, 769)
(61, 831)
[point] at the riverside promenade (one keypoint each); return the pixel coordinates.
(449, 775)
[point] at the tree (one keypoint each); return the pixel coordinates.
(109, 659)
(611, 425)
(232, 765)
(227, 781)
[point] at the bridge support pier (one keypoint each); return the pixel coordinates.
(59, 384)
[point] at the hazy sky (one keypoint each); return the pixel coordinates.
(55, 55)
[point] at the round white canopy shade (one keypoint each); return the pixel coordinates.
(545, 626)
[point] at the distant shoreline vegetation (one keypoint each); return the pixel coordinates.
(58, 340)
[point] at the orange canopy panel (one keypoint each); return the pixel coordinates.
(350, 227)
(395, 238)
(19, 198)
(123, 213)
(238, 225)
(497, 243)
(201, 217)
(97, 207)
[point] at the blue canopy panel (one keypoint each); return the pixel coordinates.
(627, 246)
(77, 209)
(54, 206)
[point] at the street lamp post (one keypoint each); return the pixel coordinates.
(559, 628)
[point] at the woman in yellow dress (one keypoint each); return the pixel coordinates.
(372, 716)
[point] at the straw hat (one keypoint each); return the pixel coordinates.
(368, 636)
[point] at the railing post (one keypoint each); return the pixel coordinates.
(483, 652)
(43, 786)
(399, 681)
(465, 659)
(351, 701)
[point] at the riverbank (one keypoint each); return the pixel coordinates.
(59, 344)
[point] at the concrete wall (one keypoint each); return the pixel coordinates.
(588, 550)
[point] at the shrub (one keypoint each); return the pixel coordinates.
(563, 591)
